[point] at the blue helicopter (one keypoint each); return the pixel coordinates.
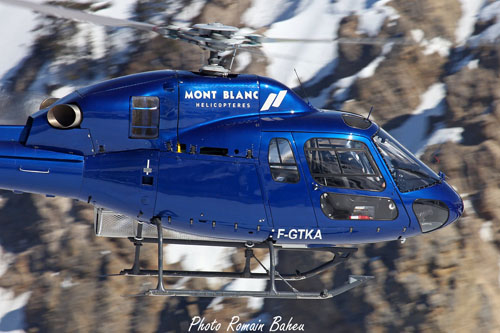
(220, 159)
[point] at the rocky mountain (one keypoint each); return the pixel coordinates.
(437, 92)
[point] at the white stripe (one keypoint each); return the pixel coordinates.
(268, 102)
(279, 99)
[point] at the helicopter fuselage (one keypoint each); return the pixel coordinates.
(239, 157)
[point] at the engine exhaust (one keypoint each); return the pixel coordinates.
(64, 116)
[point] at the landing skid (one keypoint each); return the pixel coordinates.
(340, 255)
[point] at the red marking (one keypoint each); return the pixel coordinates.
(360, 217)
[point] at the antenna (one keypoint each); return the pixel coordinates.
(302, 87)
(369, 113)
(232, 58)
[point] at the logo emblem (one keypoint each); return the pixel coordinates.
(274, 100)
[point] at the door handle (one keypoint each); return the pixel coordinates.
(34, 171)
(316, 186)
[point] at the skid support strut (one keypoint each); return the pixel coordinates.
(159, 287)
(339, 254)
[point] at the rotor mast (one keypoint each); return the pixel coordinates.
(216, 38)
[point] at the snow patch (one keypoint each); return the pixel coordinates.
(12, 317)
(373, 17)
(190, 11)
(6, 259)
(413, 133)
(473, 64)
(200, 258)
(442, 135)
(435, 45)
(17, 38)
(486, 231)
(318, 19)
(465, 26)
(254, 303)
(417, 35)
(264, 12)
(11, 306)
(491, 34)
(243, 59)
(68, 283)
(468, 206)
(62, 91)
(121, 9)
(344, 85)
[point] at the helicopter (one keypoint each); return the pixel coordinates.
(215, 158)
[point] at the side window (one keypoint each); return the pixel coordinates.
(343, 163)
(144, 117)
(282, 161)
(357, 207)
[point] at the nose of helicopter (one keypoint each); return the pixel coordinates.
(455, 204)
(36, 170)
(437, 206)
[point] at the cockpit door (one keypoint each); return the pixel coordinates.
(351, 191)
(285, 184)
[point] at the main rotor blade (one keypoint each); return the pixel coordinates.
(79, 15)
(340, 40)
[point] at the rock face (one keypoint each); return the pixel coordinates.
(440, 282)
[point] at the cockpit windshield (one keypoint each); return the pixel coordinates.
(409, 173)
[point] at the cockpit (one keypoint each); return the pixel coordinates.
(408, 172)
(357, 180)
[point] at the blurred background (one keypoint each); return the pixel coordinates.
(438, 92)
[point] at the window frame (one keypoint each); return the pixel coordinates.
(336, 150)
(281, 165)
(421, 166)
(155, 119)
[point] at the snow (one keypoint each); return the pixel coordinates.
(19, 23)
(468, 206)
(6, 259)
(254, 303)
(413, 133)
(372, 18)
(435, 45)
(12, 317)
(473, 64)
(264, 12)
(62, 91)
(486, 231)
(243, 59)
(490, 35)
(344, 85)
(246, 284)
(309, 19)
(442, 135)
(68, 283)
(200, 258)
(190, 11)
(11, 306)
(417, 35)
(465, 26)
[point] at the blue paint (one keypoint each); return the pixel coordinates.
(207, 172)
